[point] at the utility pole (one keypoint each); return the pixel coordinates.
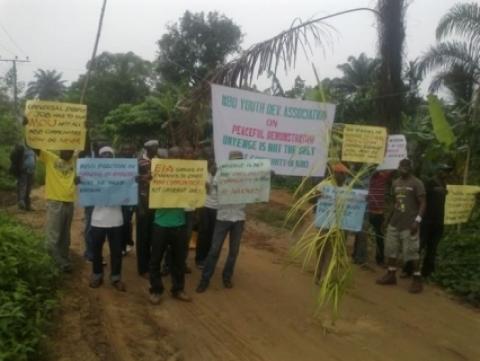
(15, 90)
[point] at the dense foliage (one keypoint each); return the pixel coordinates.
(28, 278)
(458, 268)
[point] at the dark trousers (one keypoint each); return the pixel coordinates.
(144, 239)
(174, 237)
(430, 235)
(114, 235)
(87, 234)
(208, 217)
(127, 212)
(376, 220)
(24, 188)
(222, 228)
(360, 248)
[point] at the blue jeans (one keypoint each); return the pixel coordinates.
(88, 254)
(222, 228)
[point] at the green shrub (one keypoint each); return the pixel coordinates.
(458, 263)
(28, 281)
(7, 182)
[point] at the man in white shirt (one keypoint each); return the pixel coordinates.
(107, 222)
(230, 220)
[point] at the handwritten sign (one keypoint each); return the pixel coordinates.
(244, 181)
(363, 144)
(55, 126)
(396, 151)
(178, 183)
(341, 207)
(292, 133)
(107, 182)
(459, 203)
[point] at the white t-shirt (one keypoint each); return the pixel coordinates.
(212, 200)
(107, 217)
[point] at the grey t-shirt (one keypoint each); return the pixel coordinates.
(406, 206)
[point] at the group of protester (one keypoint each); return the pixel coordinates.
(415, 222)
(407, 219)
(162, 235)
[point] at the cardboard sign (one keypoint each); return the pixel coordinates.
(459, 203)
(396, 151)
(178, 183)
(363, 144)
(107, 182)
(341, 207)
(292, 133)
(244, 181)
(55, 125)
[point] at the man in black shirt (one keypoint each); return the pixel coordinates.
(431, 229)
(432, 226)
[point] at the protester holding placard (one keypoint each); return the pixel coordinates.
(127, 151)
(208, 217)
(377, 190)
(340, 173)
(107, 222)
(230, 221)
(145, 215)
(60, 195)
(403, 228)
(169, 231)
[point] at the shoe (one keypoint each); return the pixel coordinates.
(188, 270)
(227, 284)
(182, 296)
(155, 298)
(119, 286)
(145, 275)
(129, 248)
(417, 285)
(202, 287)
(388, 279)
(96, 282)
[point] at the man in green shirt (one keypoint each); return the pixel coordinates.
(169, 230)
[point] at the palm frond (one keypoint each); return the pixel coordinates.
(463, 20)
(281, 50)
(450, 54)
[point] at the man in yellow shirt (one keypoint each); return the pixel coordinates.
(60, 195)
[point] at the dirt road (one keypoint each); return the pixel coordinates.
(267, 316)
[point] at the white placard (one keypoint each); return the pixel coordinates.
(396, 151)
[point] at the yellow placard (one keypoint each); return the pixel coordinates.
(55, 125)
(178, 183)
(364, 144)
(459, 203)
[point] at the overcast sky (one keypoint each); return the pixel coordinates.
(59, 34)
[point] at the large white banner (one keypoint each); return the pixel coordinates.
(292, 133)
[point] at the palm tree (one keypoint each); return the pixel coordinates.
(458, 61)
(48, 85)
(391, 34)
(359, 74)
